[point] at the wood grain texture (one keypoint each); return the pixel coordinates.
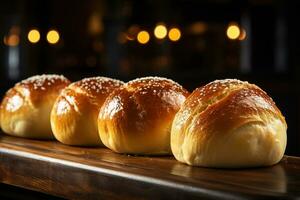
(98, 173)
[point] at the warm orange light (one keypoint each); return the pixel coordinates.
(242, 35)
(132, 32)
(53, 37)
(143, 37)
(198, 28)
(12, 40)
(95, 24)
(174, 34)
(233, 32)
(33, 36)
(129, 37)
(160, 31)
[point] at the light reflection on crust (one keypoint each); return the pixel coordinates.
(14, 103)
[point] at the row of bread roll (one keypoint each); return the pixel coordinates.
(227, 123)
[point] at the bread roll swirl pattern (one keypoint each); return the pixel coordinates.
(137, 117)
(229, 123)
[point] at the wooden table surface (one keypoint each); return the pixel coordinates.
(94, 173)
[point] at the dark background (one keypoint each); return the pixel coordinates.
(96, 38)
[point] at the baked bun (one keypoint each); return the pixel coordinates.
(229, 124)
(137, 117)
(25, 109)
(75, 112)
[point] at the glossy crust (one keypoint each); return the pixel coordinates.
(137, 117)
(74, 114)
(229, 123)
(25, 109)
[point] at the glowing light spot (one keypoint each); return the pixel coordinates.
(242, 35)
(53, 37)
(143, 37)
(33, 36)
(174, 34)
(160, 31)
(233, 32)
(12, 40)
(129, 37)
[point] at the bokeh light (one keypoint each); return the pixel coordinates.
(143, 37)
(174, 34)
(233, 32)
(33, 36)
(53, 36)
(242, 35)
(160, 31)
(11, 40)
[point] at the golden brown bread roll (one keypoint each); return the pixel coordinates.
(229, 123)
(25, 109)
(75, 112)
(137, 117)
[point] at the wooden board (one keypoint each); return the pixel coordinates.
(86, 173)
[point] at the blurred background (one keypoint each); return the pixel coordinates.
(190, 41)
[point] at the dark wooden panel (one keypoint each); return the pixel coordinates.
(74, 172)
(15, 193)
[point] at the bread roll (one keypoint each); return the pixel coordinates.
(137, 118)
(25, 109)
(75, 112)
(229, 124)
